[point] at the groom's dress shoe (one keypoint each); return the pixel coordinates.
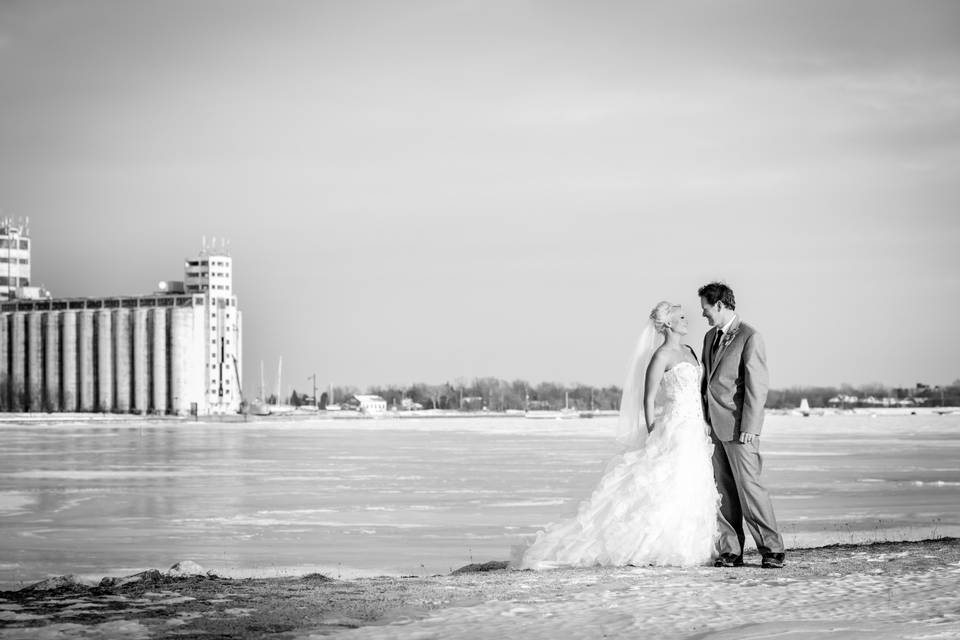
(772, 561)
(728, 560)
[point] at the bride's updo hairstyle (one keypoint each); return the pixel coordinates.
(661, 315)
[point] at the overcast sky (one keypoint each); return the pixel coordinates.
(426, 191)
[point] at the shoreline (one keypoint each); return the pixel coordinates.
(25, 419)
(884, 587)
(295, 416)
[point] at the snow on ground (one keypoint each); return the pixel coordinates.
(877, 592)
(702, 603)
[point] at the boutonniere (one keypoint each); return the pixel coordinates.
(728, 337)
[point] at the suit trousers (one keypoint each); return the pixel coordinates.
(736, 468)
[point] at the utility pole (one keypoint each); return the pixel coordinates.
(316, 402)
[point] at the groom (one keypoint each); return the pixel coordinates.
(734, 390)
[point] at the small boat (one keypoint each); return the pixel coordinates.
(276, 409)
(542, 414)
(804, 408)
(259, 408)
(567, 412)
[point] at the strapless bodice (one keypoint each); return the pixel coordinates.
(679, 393)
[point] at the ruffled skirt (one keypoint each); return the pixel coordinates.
(653, 506)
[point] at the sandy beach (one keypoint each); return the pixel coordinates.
(878, 591)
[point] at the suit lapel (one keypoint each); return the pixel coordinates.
(725, 341)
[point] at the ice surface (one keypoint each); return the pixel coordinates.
(410, 496)
(14, 502)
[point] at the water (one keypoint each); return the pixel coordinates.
(410, 496)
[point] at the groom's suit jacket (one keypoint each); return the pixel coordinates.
(735, 381)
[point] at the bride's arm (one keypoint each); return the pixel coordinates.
(650, 386)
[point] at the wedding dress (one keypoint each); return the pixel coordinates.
(655, 505)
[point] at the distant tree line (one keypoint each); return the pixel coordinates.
(492, 394)
(923, 394)
(502, 395)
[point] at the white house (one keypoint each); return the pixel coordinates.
(372, 404)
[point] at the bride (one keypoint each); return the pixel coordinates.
(657, 502)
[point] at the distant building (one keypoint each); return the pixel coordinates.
(176, 351)
(407, 404)
(371, 404)
(887, 401)
(211, 272)
(15, 279)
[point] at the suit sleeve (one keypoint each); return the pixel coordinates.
(703, 352)
(755, 384)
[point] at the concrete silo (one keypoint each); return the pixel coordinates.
(141, 361)
(122, 359)
(18, 362)
(85, 360)
(35, 361)
(68, 361)
(104, 326)
(51, 360)
(158, 356)
(181, 338)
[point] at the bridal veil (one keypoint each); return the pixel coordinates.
(632, 425)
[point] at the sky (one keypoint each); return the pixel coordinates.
(427, 191)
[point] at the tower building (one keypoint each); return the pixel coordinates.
(176, 351)
(210, 277)
(15, 279)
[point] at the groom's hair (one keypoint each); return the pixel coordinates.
(718, 292)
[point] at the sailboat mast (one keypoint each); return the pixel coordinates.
(262, 397)
(279, 376)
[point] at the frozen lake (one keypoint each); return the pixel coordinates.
(410, 496)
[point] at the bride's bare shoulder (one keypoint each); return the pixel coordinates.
(665, 355)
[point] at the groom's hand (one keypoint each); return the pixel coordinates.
(747, 438)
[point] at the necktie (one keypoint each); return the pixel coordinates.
(716, 340)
